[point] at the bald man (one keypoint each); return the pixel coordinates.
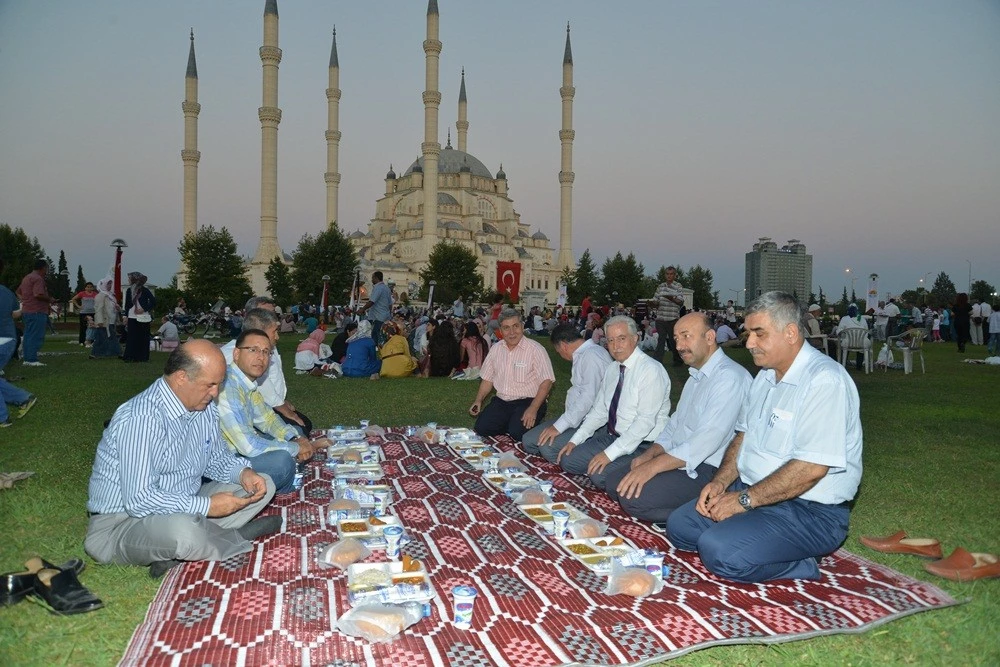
(147, 503)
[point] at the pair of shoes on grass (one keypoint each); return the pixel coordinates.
(57, 585)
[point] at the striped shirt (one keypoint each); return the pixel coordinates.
(517, 373)
(665, 308)
(249, 425)
(154, 454)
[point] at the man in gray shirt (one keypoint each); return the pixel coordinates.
(379, 306)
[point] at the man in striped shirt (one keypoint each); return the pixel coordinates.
(668, 300)
(249, 426)
(521, 372)
(147, 503)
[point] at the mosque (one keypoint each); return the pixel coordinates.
(473, 207)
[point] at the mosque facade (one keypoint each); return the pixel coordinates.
(472, 205)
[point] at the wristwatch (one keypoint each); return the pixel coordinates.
(745, 501)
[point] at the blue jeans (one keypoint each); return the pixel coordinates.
(279, 466)
(8, 392)
(782, 541)
(34, 335)
(994, 345)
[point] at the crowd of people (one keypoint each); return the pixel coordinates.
(756, 474)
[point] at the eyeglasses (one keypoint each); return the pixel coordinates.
(260, 351)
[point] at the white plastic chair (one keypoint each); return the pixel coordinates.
(856, 340)
(913, 343)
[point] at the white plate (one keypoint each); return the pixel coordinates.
(600, 560)
(352, 527)
(547, 509)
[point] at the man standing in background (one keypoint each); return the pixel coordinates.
(35, 305)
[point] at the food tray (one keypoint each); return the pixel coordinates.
(596, 552)
(405, 587)
(367, 495)
(368, 454)
(478, 458)
(345, 435)
(363, 528)
(543, 513)
(371, 471)
(510, 481)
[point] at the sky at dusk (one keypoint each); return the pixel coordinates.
(868, 130)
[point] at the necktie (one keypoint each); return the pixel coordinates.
(613, 409)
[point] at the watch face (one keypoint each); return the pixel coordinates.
(745, 500)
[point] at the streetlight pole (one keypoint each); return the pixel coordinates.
(324, 302)
(118, 244)
(64, 289)
(430, 296)
(969, 262)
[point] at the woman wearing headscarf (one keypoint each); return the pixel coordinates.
(397, 362)
(105, 322)
(362, 359)
(139, 303)
(307, 354)
(474, 348)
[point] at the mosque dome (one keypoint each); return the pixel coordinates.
(391, 174)
(445, 198)
(539, 236)
(451, 161)
(501, 175)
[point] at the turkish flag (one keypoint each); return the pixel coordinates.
(509, 279)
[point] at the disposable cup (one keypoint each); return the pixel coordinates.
(546, 488)
(365, 423)
(464, 600)
(560, 520)
(392, 535)
(654, 564)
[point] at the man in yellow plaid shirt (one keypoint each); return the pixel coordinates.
(249, 426)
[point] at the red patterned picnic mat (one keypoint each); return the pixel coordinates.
(537, 605)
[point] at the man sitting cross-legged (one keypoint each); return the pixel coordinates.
(147, 502)
(249, 425)
(686, 454)
(521, 372)
(589, 363)
(632, 408)
(779, 500)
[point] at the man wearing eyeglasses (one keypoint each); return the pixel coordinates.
(249, 426)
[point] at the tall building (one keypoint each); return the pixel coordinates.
(788, 268)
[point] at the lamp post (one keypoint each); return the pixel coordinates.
(64, 290)
(854, 279)
(736, 294)
(324, 303)
(118, 244)
(923, 286)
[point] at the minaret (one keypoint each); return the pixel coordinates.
(190, 156)
(270, 116)
(332, 176)
(432, 102)
(566, 175)
(463, 121)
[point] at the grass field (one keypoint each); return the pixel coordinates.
(932, 467)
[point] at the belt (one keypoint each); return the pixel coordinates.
(90, 514)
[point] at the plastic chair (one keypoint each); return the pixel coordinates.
(856, 340)
(913, 342)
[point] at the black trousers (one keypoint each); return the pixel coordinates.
(136, 341)
(500, 417)
(307, 424)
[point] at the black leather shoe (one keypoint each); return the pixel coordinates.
(64, 593)
(15, 586)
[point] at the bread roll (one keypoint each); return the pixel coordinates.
(343, 504)
(635, 582)
(378, 624)
(351, 456)
(345, 552)
(586, 529)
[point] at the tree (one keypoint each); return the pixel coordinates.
(842, 304)
(943, 290)
(327, 253)
(61, 279)
(279, 282)
(982, 291)
(18, 253)
(215, 270)
(455, 269)
(822, 300)
(623, 275)
(700, 281)
(585, 278)
(167, 297)
(812, 299)
(81, 282)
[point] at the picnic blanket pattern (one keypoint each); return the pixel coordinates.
(537, 605)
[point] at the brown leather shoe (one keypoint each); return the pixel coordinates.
(899, 543)
(964, 566)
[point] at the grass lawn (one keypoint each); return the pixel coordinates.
(932, 467)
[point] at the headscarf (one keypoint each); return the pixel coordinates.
(390, 328)
(852, 311)
(364, 330)
(104, 286)
(137, 279)
(312, 342)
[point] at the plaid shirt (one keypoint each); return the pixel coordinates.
(249, 425)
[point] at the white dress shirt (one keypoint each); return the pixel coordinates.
(589, 363)
(643, 407)
(811, 415)
(703, 425)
